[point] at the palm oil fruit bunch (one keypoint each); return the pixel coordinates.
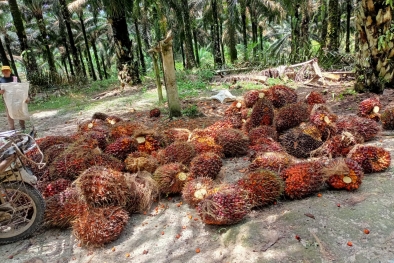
(109, 119)
(299, 144)
(229, 205)
(154, 113)
(281, 95)
(122, 147)
(100, 137)
(291, 116)
(149, 140)
(356, 125)
(265, 186)
(213, 129)
(140, 161)
(274, 161)
(303, 179)
(203, 144)
(181, 152)
(369, 108)
(106, 160)
(70, 163)
(93, 125)
(124, 128)
(324, 119)
(371, 158)
(266, 145)
(171, 177)
(251, 97)
(262, 113)
(56, 187)
(206, 165)
(387, 119)
(339, 145)
(314, 97)
(197, 189)
(233, 141)
(343, 174)
(63, 208)
(311, 130)
(176, 134)
(100, 186)
(100, 225)
(48, 141)
(260, 132)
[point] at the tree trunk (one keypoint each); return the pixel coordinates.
(85, 39)
(156, 69)
(41, 26)
(332, 41)
(323, 20)
(8, 47)
(244, 35)
(374, 69)
(65, 67)
(348, 16)
(196, 48)
(231, 9)
(174, 104)
(217, 56)
(139, 45)
(93, 43)
(261, 38)
(82, 63)
(104, 67)
(295, 34)
(68, 57)
(3, 55)
(187, 30)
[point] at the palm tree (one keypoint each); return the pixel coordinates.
(374, 66)
(333, 29)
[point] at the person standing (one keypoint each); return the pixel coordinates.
(9, 77)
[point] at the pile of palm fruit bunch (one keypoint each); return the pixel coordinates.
(110, 168)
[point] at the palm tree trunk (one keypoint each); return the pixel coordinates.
(244, 30)
(348, 16)
(196, 48)
(90, 62)
(68, 56)
(332, 41)
(231, 6)
(93, 43)
(187, 30)
(8, 47)
(139, 45)
(104, 67)
(65, 67)
(3, 55)
(323, 20)
(374, 70)
(217, 56)
(41, 26)
(82, 63)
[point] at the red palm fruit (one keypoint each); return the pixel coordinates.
(181, 152)
(112, 120)
(303, 179)
(343, 174)
(70, 164)
(122, 147)
(99, 136)
(56, 187)
(63, 208)
(93, 125)
(262, 113)
(339, 145)
(298, 144)
(325, 123)
(369, 108)
(233, 141)
(262, 131)
(213, 129)
(197, 189)
(140, 161)
(101, 186)
(176, 134)
(265, 186)
(236, 114)
(266, 145)
(251, 97)
(99, 226)
(154, 113)
(291, 116)
(206, 144)
(229, 205)
(314, 97)
(124, 128)
(280, 95)
(311, 130)
(149, 140)
(274, 161)
(387, 119)
(106, 160)
(48, 141)
(206, 165)
(367, 128)
(171, 177)
(371, 158)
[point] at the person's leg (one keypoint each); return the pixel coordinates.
(22, 124)
(11, 122)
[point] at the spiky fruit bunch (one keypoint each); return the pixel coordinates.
(206, 144)
(149, 140)
(213, 129)
(99, 116)
(181, 152)
(262, 113)
(101, 225)
(197, 189)
(266, 145)
(387, 119)
(70, 164)
(280, 95)
(206, 165)
(106, 160)
(325, 122)
(100, 186)
(93, 125)
(171, 177)
(291, 116)
(251, 97)
(314, 97)
(311, 129)
(343, 174)
(48, 141)
(265, 186)
(262, 131)
(233, 141)
(122, 147)
(229, 205)
(367, 128)
(338, 145)
(303, 179)
(274, 161)
(371, 158)
(176, 134)
(298, 143)
(237, 108)
(124, 128)
(100, 137)
(140, 162)
(369, 108)
(154, 113)
(63, 208)
(56, 187)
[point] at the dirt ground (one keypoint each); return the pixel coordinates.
(172, 232)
